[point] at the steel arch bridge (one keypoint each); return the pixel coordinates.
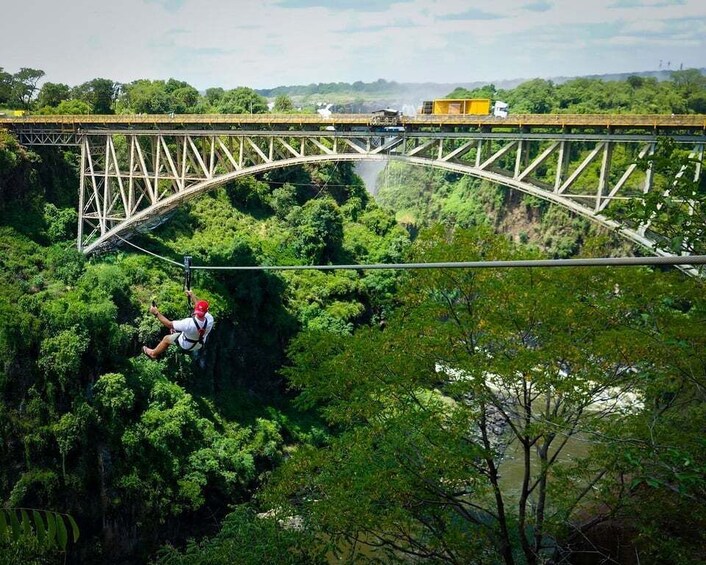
(134, 169)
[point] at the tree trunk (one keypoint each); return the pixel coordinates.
(505, 548)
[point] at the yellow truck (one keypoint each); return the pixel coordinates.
(464, 106)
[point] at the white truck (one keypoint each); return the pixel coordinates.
(501, 109)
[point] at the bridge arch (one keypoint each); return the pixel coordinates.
(541, 192)
(196, 189)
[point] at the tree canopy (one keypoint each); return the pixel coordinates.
(509, 371)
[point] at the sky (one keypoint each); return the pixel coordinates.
(268, 43)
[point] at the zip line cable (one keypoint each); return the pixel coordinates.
(505, 264)
(583, 262)
(328, 184)
(149, 252)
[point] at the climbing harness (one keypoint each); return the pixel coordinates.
(202, 333)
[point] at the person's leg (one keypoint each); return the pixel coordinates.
(167, 340)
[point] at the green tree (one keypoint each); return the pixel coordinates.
(689, 81)
(283, 104)
(51, 94)
(242, 100)
(213, 95)
(77, 107)
(24, 85)
(485, 91)
(697, 102)
(146, 97)
(99, 93)
(5, 86)
(319, 230)
(283, 200)
(61, 223)
(184, 96)
(251, 539)
(532, 97)
(635, 81)
(60, 355)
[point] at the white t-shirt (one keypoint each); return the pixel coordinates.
(188, 329)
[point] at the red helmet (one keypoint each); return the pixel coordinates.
(201, 307)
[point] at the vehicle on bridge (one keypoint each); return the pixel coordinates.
(386, 120)
(501, 109)
(465, 106)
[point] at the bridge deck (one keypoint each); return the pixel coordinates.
(645, 122)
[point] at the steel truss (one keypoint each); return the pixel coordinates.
(131, 178)
(48, 136)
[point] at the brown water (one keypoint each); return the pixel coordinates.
(512, 467)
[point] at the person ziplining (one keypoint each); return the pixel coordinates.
(189, 333)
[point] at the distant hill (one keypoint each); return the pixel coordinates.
(659, 75)
(364, 97)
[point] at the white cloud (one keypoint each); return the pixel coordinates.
(232, 43)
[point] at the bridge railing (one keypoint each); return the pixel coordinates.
(665, 121)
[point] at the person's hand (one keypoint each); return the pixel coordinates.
(190, 294)
(154, 310)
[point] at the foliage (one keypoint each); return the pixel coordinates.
(5, 86)
(241, 100)
(684, 92)
(563, 233)
(99, 94)
(51, 94)
(318, 226)
(146, 97)
(73, 107)
(283, 200)
(485, 91)
(532, 97)
(283, 104)
(15, 164)
(163, 443)
(588, 95)
(49, 528)
(523, 358)
(24, 85)
(675, 207)
(61, 223)
(250, 539)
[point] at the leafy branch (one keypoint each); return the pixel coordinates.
(50, 528)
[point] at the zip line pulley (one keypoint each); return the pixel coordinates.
(187, 277)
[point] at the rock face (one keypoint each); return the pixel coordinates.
(295, 522)
(496, 425)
